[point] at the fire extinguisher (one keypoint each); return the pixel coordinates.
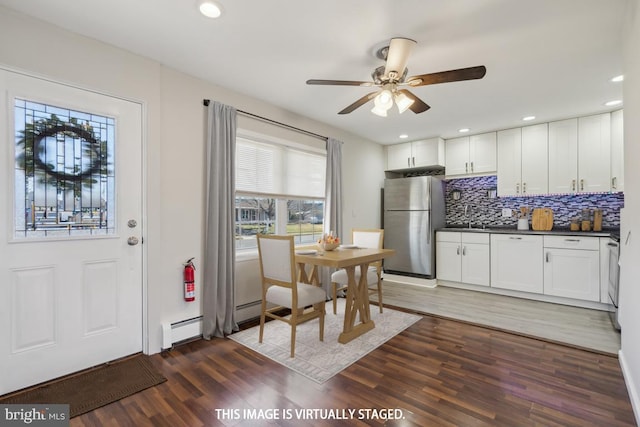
(189, 281)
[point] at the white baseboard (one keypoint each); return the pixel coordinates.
(408, 280)
(632, 388)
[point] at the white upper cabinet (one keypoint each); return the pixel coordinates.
(474, 154)
(535, 179)
(594, 153)
(617, 151)
(509, 145)
(522, 161)
(563, 156)
(416, 154)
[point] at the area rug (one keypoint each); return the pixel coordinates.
(321, 360)
(94, 388)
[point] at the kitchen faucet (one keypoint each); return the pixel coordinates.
(468, 211)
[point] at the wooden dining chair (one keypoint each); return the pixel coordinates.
(280, 287)
(363, 238)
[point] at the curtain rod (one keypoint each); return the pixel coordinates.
(284, 125)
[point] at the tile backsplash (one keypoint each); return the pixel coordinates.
(488, 211)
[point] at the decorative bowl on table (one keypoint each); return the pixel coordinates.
(329, 243)
(328, 246)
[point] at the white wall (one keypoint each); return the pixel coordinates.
(630, 219)
(175, 149)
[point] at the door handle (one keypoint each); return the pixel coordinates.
(471, 166)
(413, 161)
(547, 257)
(464, 251)
(573, 185)
(458, 250)
(582, 185)
(466, 167)
(132, 241)
(515, 238)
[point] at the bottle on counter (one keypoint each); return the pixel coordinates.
(597, 220)
(586, 220)
(575, 224)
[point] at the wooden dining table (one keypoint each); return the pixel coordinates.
(357, 297)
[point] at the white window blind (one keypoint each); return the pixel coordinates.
(274, 169)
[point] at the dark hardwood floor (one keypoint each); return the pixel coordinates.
(437, 372)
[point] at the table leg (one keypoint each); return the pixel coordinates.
(357, 304)
(312, 278)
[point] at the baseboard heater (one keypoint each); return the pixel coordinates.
(179, 331)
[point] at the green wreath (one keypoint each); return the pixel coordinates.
(39, 131)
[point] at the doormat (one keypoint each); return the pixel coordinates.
(94, 388)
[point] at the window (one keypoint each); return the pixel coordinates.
(279, 190)
(64, 172)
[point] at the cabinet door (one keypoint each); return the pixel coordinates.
(448, 261)
(535, 160)
(428, 152)
(475, 264)
(509, 153)
(457, 156)
(563, 156)
(517, 262)
(617, 151)
(399, 156)
(482, 153)
(594, 153)
(572, 273)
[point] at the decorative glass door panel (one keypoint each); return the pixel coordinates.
(64, 172)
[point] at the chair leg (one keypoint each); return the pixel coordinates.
(322, 313)
(262, 318)
(293, 339)
(380, 294)
(334, 296)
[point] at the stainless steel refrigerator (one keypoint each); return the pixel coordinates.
(413, 209)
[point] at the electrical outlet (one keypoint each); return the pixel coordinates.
(506, 213)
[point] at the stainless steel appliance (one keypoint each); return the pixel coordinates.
(614, 279)
(413, 209)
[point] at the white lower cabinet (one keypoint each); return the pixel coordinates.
(517, 262)
(463, 257)
(572, 267)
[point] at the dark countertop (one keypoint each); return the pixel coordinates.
(560, 231)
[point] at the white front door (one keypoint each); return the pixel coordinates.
(70, 214)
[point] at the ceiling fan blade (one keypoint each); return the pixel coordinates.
(418, 106)
(359, 103)
(470, 73)
(338, 82)
(399, 50)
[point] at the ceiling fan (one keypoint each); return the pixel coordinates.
(392, 76)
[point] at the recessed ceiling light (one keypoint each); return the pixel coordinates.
(403, 136)
(463, 130)
(617, 79)
(209, 8)
(528, 118)
(612, 103)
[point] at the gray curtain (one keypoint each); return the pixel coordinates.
(333, 199)
(219, 249)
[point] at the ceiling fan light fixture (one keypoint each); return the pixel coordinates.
(403, 102)
(378, 111)
(210, 8)
(384, 100)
